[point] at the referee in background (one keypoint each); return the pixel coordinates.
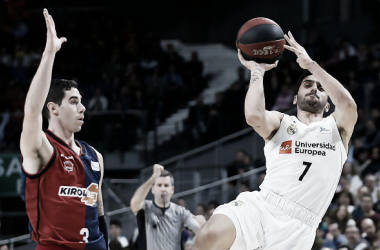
(160, 222)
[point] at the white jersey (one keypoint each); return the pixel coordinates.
(304, 162)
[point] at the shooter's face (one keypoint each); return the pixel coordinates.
(311, 96)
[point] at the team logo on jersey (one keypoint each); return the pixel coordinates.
(68, 166)
(88, 195)
(236, 203)
(95, 166)
(324, 130)
(286, 147)
(70, 157)
(292, 129)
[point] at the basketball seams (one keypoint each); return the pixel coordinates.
(254, 22)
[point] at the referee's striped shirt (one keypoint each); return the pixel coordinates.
(161, 228)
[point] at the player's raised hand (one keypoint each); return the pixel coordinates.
(157, 170)
(252, 65)
(53, 43)
(303, 59)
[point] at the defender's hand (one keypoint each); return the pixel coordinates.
(303, 59)
(252, 65)
(53, 43)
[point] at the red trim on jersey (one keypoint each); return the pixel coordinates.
(44, 169)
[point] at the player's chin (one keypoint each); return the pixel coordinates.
(77, 129)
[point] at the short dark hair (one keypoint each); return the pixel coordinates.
(167, 173)
(305, 73)
(57, 93)
(115, 222)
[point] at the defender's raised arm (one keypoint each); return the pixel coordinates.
(34, 145)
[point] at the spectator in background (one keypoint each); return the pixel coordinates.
(215, 126)
(115, 245)
(115, 233)
(334, 237)
(98, 102)
(349, 171)
(366, 205)
(355, 241)
(358, 212)
(193, 74)
(342, 217)
(284, 99)
(376, 206)
(181, 202)
(346, 199)
(372, 136)
(368, 230)
(211, 206)
(374, 166)
(175, 89)
(370, 182)
(197, 121)
(200, 209)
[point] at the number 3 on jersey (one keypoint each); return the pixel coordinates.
(84, 231)
(307, 164)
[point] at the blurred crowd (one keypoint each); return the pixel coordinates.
(120, 66)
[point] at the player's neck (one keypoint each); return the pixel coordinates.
(307, 117)
(64, 135)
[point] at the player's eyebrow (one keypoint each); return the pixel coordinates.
(310, 81)
(75, 97)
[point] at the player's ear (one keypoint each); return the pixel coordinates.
(327, 107)
(295, 100)
(152, 189)
(53, 108)
(172, 189)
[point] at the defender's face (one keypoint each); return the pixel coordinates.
(163, 188)
(71, 111)
(311, 96)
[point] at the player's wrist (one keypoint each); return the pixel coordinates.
(310, 68)
(257, 72)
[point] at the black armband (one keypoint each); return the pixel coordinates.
(103, 228)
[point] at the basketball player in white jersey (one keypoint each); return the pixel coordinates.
(304, 159)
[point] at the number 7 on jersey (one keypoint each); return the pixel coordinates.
(307, 164)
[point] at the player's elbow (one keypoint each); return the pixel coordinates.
(347, 103)
(253, 119)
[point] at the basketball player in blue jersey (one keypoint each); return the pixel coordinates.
(63, 176)
(304, 159)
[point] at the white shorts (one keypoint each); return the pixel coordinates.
(264, 220)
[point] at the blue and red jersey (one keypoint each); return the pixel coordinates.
(61, 199)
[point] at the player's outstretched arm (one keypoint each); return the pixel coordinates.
(139, 196)
(345, 107)
(264, 122)
(34, 146)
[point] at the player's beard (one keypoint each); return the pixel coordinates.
(314, 106)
